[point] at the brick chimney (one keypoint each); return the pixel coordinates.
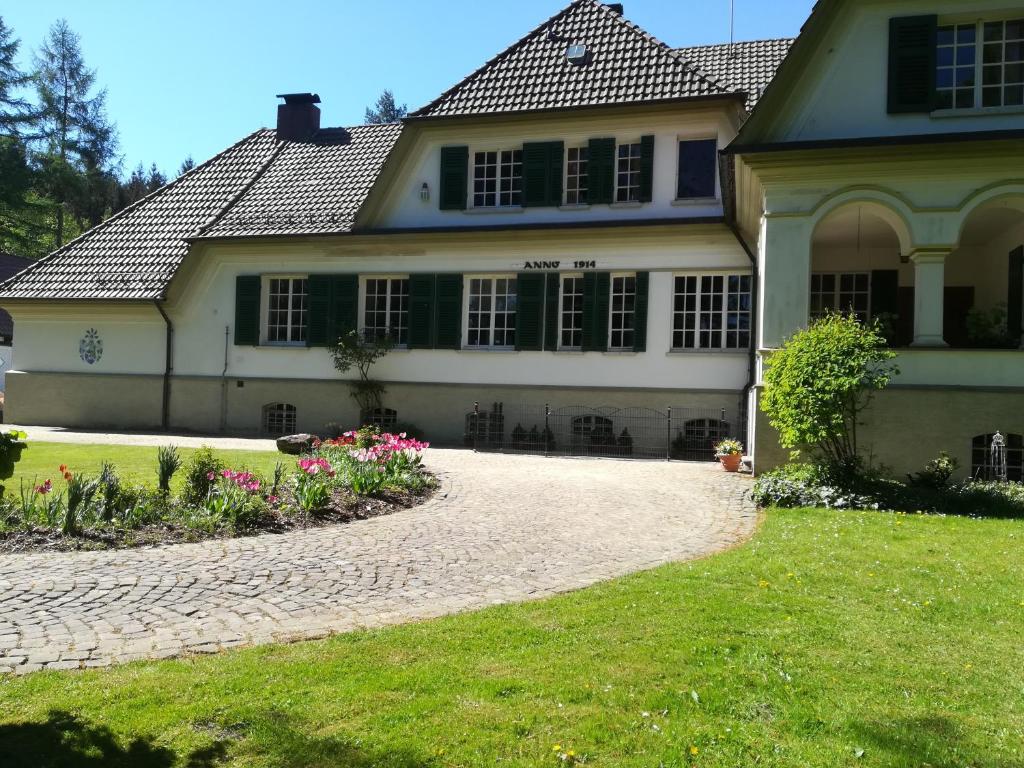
(299, 117)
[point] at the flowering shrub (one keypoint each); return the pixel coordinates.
(234, 497)
(313, 483)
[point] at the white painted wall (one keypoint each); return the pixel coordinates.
(6, 363)
(842, 93)
(402, 206)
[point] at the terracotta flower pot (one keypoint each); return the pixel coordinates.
(730, 461)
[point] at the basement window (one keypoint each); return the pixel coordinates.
(982, 467)
(385, 418)
(279, 419)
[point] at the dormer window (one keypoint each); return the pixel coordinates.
(498, 178)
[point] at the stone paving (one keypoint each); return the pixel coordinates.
(501, 529)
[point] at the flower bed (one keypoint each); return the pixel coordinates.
(359, 475)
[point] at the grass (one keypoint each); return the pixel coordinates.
(831, 639)
(135, 464)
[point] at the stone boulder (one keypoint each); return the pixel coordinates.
(296, 444)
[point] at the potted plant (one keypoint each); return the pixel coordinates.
(730, 453)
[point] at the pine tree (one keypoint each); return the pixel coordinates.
(75, 140)
(186, 165)
(385, 110)
(14, 110)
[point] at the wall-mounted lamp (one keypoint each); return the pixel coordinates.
(425, 192)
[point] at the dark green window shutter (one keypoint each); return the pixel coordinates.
(552, 307)
(643, 280)
(448, 313)
(885, 292)
(646, 169)
(320, 322)
(542, 173)
(421, 311)
(530, 311)
(247, 310)
(344, 306)
(912, 53)
(454, 175)
(596, 289)
(1015, 293)
(601, 171)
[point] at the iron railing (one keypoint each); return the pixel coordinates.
(682, 433)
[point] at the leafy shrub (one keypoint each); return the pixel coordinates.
(200, 467)
(989, 328)
(168, 462)
(936, 473)
(11, 445)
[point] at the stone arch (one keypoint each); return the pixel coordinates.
(1005, 195)
(885, 205)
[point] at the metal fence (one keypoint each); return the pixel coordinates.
(681, 433)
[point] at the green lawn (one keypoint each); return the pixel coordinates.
(136, 464)
(831, 639)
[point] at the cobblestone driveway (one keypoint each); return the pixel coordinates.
(503, 528)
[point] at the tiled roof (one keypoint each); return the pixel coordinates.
(259, 186)
(747, 66)
(311, 188)
(624, 65)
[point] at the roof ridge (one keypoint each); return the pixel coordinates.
(494, 59)
(128, 209)
(735, 42)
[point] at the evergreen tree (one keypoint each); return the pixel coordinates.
(186, 165)
(385, 110)
(14, 110)
(155, 180)
(76, 142)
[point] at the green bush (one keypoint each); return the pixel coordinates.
(197, 475)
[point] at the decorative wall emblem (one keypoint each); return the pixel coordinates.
(90, 348)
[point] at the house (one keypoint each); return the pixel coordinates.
(594, 227)
(10, 265)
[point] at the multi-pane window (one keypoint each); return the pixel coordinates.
(711, 312)
(287, 300)
(279, 419)
(697, 163)
(576, 175)
(627, 177)
(498, 178)
(571, 328)
(984, 464)
(841, 292)
(386, 309)
(623, 304)
(492, 312)
(1002, 60)
(980, 65)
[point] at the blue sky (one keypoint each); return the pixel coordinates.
(190, 77)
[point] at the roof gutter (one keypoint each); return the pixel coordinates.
(165, 405)
(875, 141)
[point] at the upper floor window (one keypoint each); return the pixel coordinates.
(287, 305)
(697, 162)
(627, 176)
(386, 308)
(491, 320)
(498, 178)
(841, 292)
(576, 175)
(980, 65)
(571, 319)
(623, 312)
(711, 312)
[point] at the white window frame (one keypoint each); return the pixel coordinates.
(979, 61)
(725, 331)
(838, 291)
(611, 313)
(467, 298)
(363, 286)
(579, 177)
(562, 277)
(265, 310)
(498, 206)
(632, 173)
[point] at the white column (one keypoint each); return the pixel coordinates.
(929, 290)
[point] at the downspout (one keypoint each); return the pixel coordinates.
(165, 413)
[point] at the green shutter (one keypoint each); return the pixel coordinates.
(421, 311)
(912, 41)
(320, 322)
(885, 290)
(448, 312)
(553, 295)
(601, 171)
(646, 169)
(530, 311)
(247, 310)
(454, 176)
(344, 306)
(596, 289)
(643, 280)
(1015, 294)
(542, 173)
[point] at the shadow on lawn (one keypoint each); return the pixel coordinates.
(935, 741)
(65, 741)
